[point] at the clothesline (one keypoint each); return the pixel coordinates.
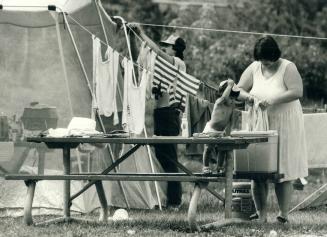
(202, 82)
(231, 31)
(102, 42)
(122, 56)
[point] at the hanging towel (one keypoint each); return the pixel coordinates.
(257, 118)
(105, 74)
(173, 81)
(134, 100)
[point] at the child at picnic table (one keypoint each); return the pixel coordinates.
(221, 121)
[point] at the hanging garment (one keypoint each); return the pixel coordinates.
(134, 100)
(105, 75)
(146, 60)
(207, 93)
(257, 118)
(174, 81)
(198, 114)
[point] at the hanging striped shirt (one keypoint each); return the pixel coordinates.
(176, 82)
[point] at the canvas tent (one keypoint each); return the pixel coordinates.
(41, 72)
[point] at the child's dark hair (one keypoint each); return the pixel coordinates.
(179, 48)
(266, 48)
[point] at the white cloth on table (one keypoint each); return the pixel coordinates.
(257, 118)
(134, 100)
(286, 118)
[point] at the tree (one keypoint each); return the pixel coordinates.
(214, 56)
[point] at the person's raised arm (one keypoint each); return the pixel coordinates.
(138, 30)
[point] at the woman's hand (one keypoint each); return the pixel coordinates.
(264, 104)
(250, 99)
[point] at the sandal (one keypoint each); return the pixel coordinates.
(282, 220)
(254, 216)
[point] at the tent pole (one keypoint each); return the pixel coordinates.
(105, 13)
(152, 169)
(62, 57)
(78, 54)
(101, 21)
(128, 46)
(86, 77)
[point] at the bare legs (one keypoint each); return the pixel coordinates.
(260, 196)
(283, 192)
(206, 159)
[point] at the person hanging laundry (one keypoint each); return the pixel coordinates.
(167, 117)
(134, 99)
(105, 74)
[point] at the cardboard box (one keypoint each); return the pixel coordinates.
(258, 157)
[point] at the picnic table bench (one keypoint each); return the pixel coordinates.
(223, 144)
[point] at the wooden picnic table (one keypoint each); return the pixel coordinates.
(223, 144)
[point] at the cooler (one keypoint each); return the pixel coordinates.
(258, 157)
(40, 117)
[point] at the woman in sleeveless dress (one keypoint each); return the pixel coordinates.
(277, 83)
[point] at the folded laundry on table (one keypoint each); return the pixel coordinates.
(116, 134)
(209, 134)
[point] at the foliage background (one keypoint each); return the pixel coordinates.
(213, 56)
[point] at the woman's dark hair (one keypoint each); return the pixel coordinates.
(266, 48)
(179, 48)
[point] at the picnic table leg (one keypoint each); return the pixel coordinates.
(103, 201)
(66, 191)
(191, 216)
(229, 184)
(28, 219)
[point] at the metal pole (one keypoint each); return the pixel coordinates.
(152, 169)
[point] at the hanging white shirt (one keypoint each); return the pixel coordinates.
(146, 60)
(105, 74)
(134, 100)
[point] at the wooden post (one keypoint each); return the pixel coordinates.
(28, 220)
(191, 215)
(103, 201)
(66, 191)
(229, 183)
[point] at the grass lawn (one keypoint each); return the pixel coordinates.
(170, 223)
